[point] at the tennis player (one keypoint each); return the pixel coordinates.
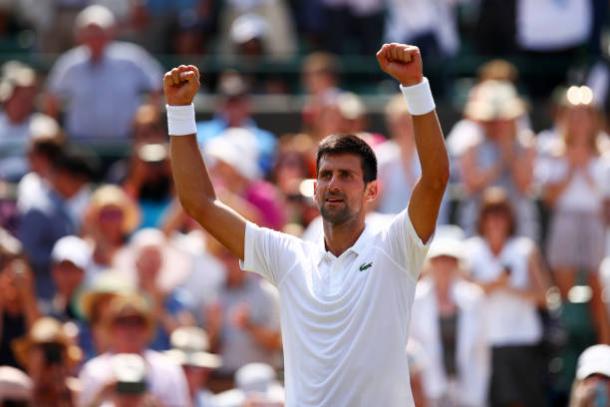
(345, 301)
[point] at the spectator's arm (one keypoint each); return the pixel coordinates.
(475, 178)
(522, 170)
(270, 339)
(552, 191)
(51, 104)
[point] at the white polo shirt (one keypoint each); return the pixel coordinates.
(344, 319)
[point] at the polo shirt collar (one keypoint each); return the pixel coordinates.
(357, 248)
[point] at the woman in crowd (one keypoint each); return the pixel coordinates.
(508, 269)
(577, 189)
(448, 320)
(110, 218)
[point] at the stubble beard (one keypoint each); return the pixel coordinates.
(335, 217)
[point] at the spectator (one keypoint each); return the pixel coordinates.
(575, 187)
(190, 350)
(159, 268)
(71, 256)
(449, 321)
(129, 325)
(508, 269)
(235, 112)
(44, 146)
(279, 44)
(398, 165)
(49, 357)
(94, 304)
(18, 307)
(55, 213)
(101, 102)
(256, 384)
(109, 220)
(18, 88)
(320, 78)
(591, 387)
(417, 364)
(235, 173)
(149, 182)
(503, 157)
(15, 388)
(244, 323)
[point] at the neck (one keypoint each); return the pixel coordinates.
(339, 238)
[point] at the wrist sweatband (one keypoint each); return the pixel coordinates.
(419, 98)
(181, 120)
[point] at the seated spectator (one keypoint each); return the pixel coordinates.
(93, 305)
(320, 79)
(448, 321)
(15, 388)
(71, 256)
(159, 268)
(18, 307)
(234, 171)
(503, 157)
(109, 220)
(244, 323)
(50, 357)
(575, 187)
(508, 268)
(255, 384)
(591, 386)
(398, 164)
(234, 111)
(100, 103)
(149, 182)
(55, 213)
(129, 326)
(190, 347)
(18, 89)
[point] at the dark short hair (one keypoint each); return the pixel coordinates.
(77, 161)
(495, 200)
(349, 144)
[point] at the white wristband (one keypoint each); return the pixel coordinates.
(181, 120)
(419, 98)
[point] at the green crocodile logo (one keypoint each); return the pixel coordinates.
(365, 266)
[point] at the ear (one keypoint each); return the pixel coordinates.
(371, 191)
(315, 187)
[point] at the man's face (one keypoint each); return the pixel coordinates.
(129, 334)
(340, 191)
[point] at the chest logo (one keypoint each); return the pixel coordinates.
(365, 266)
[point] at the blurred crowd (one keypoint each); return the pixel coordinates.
(113, 296)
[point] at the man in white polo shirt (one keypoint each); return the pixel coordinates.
(345, 301)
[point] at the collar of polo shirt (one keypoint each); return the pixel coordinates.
(357, 248)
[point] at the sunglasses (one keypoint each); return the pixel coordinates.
(129, 322)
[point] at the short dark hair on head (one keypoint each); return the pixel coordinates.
(495, 200)
(350, 144)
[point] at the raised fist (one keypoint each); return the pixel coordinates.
(180, 85)
(402, 62)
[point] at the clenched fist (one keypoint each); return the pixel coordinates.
(180, 85)
(402, 62)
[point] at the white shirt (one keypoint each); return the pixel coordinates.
(344, 319)
(165, 379)
(548, 25)
(510, 319)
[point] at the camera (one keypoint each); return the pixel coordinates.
(130, 373)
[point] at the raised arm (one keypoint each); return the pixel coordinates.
(191, 177)
(403, 62)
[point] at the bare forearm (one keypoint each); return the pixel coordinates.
(190, 174)
(267, 338)
(431, 149)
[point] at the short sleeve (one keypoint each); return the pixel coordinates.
(59, 78)
(269, 253)
(404, 245)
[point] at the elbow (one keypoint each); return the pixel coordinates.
(196, 209)
(439, 179)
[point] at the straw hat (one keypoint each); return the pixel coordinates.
(494, 100)
(177, 264)
(130, 305)
(46, 330)
(112, 195)
(105, 285)
(189, 348)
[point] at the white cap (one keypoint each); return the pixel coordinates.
(594, 360)
(255, 377)
(96, 15)
(446, 246)
(238, 148)
(72, 249)
(248, 27)
(14, 384)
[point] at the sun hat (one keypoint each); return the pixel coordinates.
(494, 100)
(114, 196)
(594, 360)
(189, 348)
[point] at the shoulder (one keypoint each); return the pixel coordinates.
(521, 245)
(72, 57)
